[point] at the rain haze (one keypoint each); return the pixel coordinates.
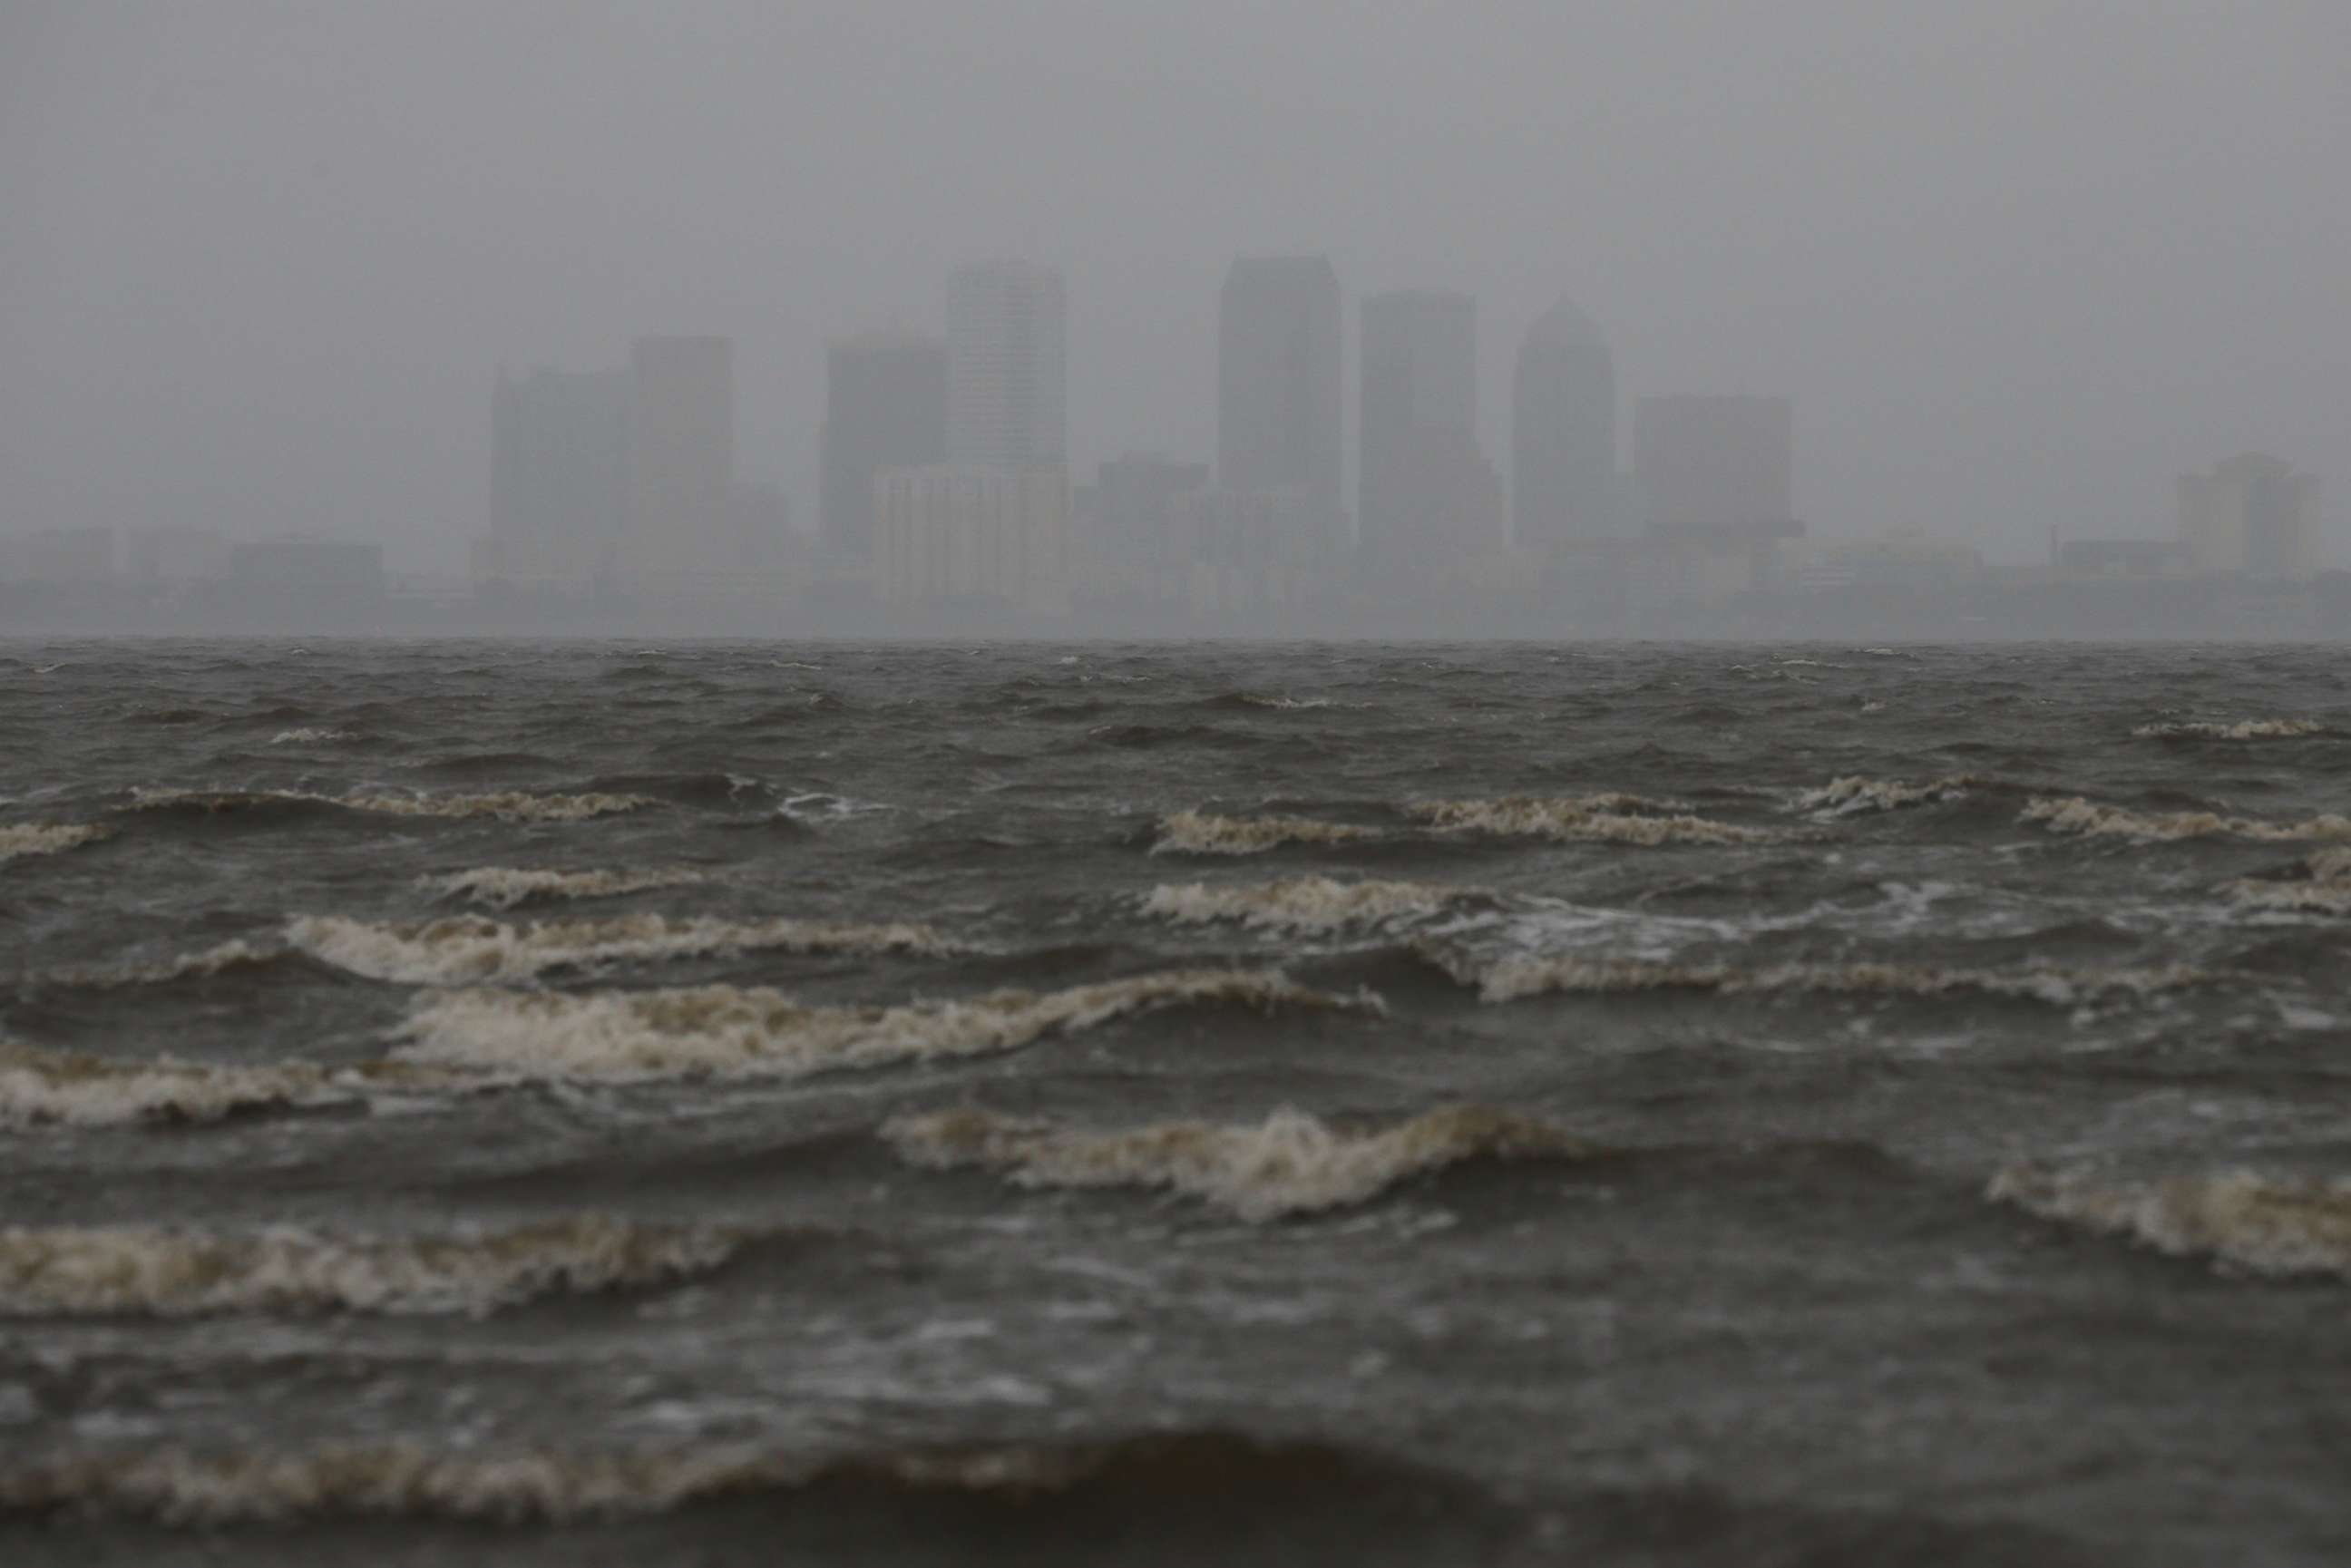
(1487, 785)
(2019, 265)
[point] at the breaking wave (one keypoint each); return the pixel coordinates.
(309, 736)
(48, 838)
(160, 1272)
(2324, 889)
(1857, 793)
(2247, 730)
(2243, 1220)
(730, 1031)
(506, 805)
(471, 950)
(1511, 978)
(1601, 819)
(1290, 1163)
(1302, 904)
(503, 887)
(239, 954)
(76, 1089)
(2075, 815)
(1195, 833)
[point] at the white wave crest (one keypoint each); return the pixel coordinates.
(309, 736)
(1290, 1163)
(1596, 819)
(466, 949)
(1195, 833)
(506, 805)
(1856, 792)
(2075, 815)
(503, 887)
(2324, 889)
(1508, 979)
(2243, 1220)
(2246, 729)
(233, 955)
(1301, 904)
(75, 1089)
(728, 1032)
(48, 838)
(162, 1272)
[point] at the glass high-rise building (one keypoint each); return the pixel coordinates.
(1563, 485)
(1279, 379)
(1008, 366)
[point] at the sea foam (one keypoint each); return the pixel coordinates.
(1591, 818)
(2075, 815)
(2246, 729)
(1195, 833)
(2241, 1219)
(155, 1271)
(1302, 904)
(1856, 792)
(506, 805)
(1290, 1163)
(731, 1031)
(1513, 977)
(48, 838)
(471, 950)
(503, 887)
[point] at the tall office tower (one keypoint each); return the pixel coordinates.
(1716, 464)
(2252, 514)
(1277, 378)
(1007, 369)
(1564, 432)
(1423, 496)
(558, 473)
(885, 406)
(682, 457)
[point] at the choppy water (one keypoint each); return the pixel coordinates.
(566, 1104)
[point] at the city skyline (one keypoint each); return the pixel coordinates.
(261, 290)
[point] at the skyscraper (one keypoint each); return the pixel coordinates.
(1564, 432)
(558, 473)
(1277, 378)
(682, 457)
(886, 407)
(1716, 464)
(1007, 366)
(1426, 493)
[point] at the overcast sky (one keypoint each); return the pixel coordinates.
(2019, 261)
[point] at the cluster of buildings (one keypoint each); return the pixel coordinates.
(948, 503)
(947, 489)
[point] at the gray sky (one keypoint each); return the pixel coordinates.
(2019, 261)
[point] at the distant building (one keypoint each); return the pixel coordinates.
(1126, 511)
(886, 407)
(1007, 366)
(2125, 558)
(175, 555)
(1564, 484)
(1426, 496)
(1228, 553)
(961, 539)
(1715, 463)
(2252, 514)
(305, 563)
(1279, 379)
(83, 555)
(681, 461)
(560, 493)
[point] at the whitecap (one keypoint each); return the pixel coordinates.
(1290, 1163)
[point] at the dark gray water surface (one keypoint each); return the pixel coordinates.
(1940, 1167)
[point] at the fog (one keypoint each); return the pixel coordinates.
(2019, 263)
